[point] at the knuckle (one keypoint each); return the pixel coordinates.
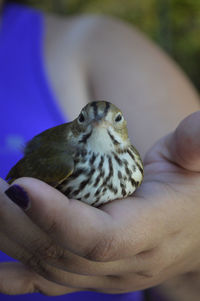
(34, 263)
(40, 267)
(152, 263)
(52, 228)
(153, 272)
(147, 254)
(49, 251)
(41, 254)
(146, 274)
(103, 250)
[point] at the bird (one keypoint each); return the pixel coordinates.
(90, 159)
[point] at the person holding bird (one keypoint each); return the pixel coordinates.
(54, 71)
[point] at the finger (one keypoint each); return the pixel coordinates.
(143, 264)
(20, 237)
(15, 278)
(11, 248)
(37, 257)
(69, 281)
(184, 143)
(113, 233)
(72, 263)
(14, 223)
(72, 224)
(82, 282)
(110, 284)
(81, 266)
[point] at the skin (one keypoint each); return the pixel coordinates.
(131, 244)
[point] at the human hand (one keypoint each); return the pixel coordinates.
(16, 278)
(128, 245)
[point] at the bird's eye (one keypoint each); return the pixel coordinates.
(81, 118)
(118, 118)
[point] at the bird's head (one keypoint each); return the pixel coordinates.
(101, 127)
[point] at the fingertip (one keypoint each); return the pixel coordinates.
(38, 191)
(18, 196)
(185, 142)
(21, 191)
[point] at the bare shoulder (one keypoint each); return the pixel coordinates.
(81, 29)
(92, 39)
(75, 46)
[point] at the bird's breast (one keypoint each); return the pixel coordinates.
(99, 178)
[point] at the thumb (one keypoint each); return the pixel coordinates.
(184, 144)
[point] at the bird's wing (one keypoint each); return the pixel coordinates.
(52, 169)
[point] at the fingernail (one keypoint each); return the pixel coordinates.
(19, 196)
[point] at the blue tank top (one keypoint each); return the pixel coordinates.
(28, 106)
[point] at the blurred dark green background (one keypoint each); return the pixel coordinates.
(173, 24)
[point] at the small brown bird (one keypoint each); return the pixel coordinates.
(89, 159)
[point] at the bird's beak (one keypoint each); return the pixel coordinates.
(99, 122)
(96, 123)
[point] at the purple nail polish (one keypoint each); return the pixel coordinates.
(18, 195)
